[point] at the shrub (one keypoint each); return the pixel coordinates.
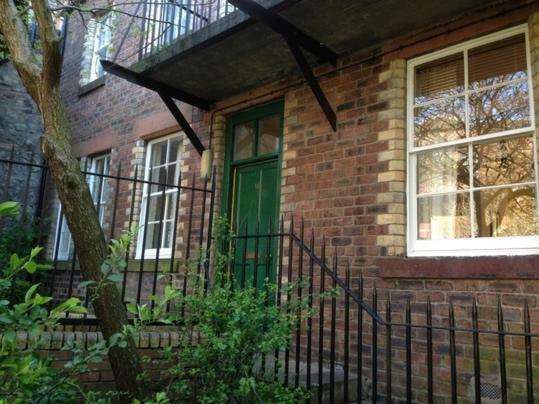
(225, 337)
(25, 375)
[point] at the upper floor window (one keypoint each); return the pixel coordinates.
(96, 47)
(99, 168)
(472, 172)
(159, 197)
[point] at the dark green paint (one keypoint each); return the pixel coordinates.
(251, 197)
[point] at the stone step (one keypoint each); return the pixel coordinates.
(326, 377)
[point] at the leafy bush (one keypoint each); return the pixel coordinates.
(18, 236)
(26, 376)
(225, 337)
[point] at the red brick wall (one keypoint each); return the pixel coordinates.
(348, 185)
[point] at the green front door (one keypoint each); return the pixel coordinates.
(254, 211)
(252, 183)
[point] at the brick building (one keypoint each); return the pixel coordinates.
(427, 186)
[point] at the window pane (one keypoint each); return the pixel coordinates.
(167, 236)
(152, 236)
(268, 137)
(439, 122)
(497, 62)
(443, 217)
(443, 170)
(159, 178)
(171, 175)
(243, 141)
(159, 153)
(174, 152)
(505, 212)
(499, 109)
(507, 161)
(155, 209)
(171, 205)
(439, 78)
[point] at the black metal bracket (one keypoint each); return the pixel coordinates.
(167, 94)
(295, 39)
(154, 85)
(187, 129)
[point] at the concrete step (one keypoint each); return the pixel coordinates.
(315, 372)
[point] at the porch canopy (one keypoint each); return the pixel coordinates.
(229, 53)
(235, 53)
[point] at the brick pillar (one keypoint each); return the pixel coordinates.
(138, 153)
(218, 146)
(394, 239)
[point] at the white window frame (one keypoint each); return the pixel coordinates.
(64, 230)
(152, 253)
(98, 37)
(474, 246)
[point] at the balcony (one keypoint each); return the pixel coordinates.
(214, 51)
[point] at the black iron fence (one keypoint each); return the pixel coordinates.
(359, 344)
(173, 218)
(166, 21)
(362, 346)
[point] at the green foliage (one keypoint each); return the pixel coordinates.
(18, 237)
(113, 265)
(225, 336)
(25, 375)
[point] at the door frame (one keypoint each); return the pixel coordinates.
(242, 117)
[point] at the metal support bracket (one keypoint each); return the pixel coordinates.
(313, 83)
(296, 39)
(154, 85)
(188, 130)
(167, 94)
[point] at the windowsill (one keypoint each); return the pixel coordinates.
(485, 267)
(91, 86)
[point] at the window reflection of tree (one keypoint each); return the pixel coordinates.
(500, 211)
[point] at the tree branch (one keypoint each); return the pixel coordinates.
(52, 59)
(20, 49)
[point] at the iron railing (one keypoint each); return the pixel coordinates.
(359, 344)
(121, 206)
(166, 21)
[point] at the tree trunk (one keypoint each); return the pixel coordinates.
(88, 238)
(42, 81)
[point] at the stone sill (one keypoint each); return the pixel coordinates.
(91, 86)
(497, 267)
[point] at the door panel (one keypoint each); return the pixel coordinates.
(255, 205)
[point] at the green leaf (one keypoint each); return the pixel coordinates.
(86, 284)
(105, 268)
(132, 308)
(9, 208)
(31, 267)
(30, 292)
(14, 261)
(5, 319)
(35, 251)
(115, 278)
